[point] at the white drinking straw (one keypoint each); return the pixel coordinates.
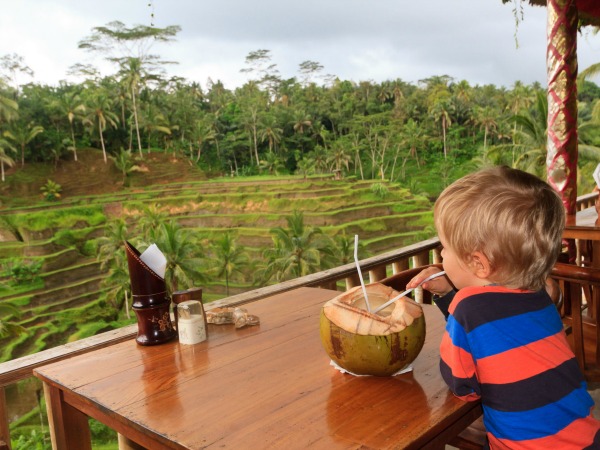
(408, 291)
(362, 283)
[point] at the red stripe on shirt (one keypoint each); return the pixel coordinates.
(579, 434)
(526, 361)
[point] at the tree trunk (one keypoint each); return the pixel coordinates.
(102, 143)
(73, 139)
(137, 126)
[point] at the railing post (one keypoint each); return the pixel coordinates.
(4, 425)
(377, 273)
(437, 255)
(352, 281)
(329, 285)
(399, 266)
(421, 259)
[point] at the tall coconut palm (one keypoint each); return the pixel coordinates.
(440, 111)
(487, 118)
(201, 133)
(100, 115)
(132, 75)
(69, 105)
(229, 259)
(22, 134)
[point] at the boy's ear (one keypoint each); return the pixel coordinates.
(481, 265)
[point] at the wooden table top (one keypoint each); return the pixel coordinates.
(267, 386)
(583, 225)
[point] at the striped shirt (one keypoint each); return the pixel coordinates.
(508, 348)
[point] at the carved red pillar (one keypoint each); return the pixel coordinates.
(561, 63)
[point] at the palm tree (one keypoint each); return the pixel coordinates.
(298, 251)
(109, 245)
(230, 259)
(117, 281)
(22, 134)
(301, 122)
(125, 162)
(8, 108)
(152, 218)
(182, 251)
(270, 131)
(272, 164)
(152, 120)
(4, 158)
(201, 133)
(531, 139)
(440, 111)
(100, 115)
(486, 117)
(69, 105)
(306, 166)
(338, 157)
(132, 76)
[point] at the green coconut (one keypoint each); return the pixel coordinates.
(364, 343)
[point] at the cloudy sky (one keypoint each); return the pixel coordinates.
(474, 40)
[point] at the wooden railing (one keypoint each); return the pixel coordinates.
(587, 200)
(339, 278)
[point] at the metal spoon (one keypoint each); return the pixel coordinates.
(408, 291)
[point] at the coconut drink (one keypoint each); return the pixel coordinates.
(365, 343)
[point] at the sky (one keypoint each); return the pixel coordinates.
(358, 40)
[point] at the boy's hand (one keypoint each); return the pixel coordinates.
(438, 286)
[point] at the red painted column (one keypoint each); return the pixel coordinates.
(561, 64)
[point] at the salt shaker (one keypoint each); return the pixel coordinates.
(191, 324)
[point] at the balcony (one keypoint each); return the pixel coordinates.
(344, 277)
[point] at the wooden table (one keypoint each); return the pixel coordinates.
(583, 225)
(268, 386)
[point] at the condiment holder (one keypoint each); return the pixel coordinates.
(150, 300)
(191, 322)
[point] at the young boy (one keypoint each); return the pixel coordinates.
(501, 233)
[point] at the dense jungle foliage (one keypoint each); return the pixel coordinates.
(306, 124)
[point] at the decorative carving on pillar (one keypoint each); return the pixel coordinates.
(561, 63)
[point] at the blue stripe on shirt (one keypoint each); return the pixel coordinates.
(517, 331)
(540, 422)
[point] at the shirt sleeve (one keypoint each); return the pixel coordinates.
(457, 366)
(443, 302)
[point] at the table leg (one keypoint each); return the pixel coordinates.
(69, 428)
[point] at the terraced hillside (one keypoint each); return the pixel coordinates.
(69, 300)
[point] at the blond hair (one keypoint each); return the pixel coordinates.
(515, 219)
